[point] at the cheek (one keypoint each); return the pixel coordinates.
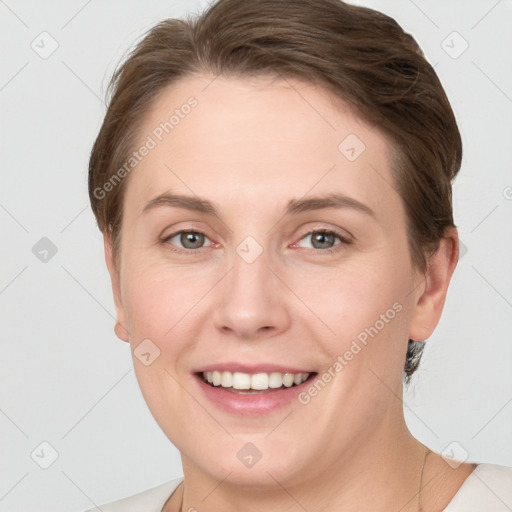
(350, 299)
(364, 314)
(158, 299)
(161, 309)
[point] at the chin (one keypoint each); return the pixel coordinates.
(253, 461)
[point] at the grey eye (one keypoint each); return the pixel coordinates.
(321, 239)
(189, 239)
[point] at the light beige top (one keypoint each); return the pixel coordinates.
(487, 489)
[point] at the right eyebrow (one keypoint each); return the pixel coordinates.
(196, 204)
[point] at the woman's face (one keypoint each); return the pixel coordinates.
(263, 234)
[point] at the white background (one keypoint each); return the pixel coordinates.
(65, 378)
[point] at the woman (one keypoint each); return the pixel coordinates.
(273, 183)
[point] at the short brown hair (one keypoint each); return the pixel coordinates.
(361, 55)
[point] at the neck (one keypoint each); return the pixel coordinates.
(382, 474)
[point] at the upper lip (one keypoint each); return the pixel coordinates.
(250, 368)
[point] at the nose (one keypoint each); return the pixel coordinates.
(252, 301)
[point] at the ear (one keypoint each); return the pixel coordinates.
(119, 329)
(431, 295)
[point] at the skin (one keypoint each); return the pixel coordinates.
(249, 147)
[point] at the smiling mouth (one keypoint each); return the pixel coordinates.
(239, 382)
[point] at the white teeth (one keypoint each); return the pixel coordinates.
(256, 381)
(241, 380)
(288, 379)
(259, 381)
(275, 380)
(226, 380)
(216, 378)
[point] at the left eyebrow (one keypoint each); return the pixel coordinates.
(329, 201)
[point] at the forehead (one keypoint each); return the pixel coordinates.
(258, 138)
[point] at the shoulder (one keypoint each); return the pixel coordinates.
(488, 487)
(152, 500)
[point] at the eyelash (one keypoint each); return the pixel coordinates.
(344, 241)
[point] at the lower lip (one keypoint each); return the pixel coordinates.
(251, 404)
